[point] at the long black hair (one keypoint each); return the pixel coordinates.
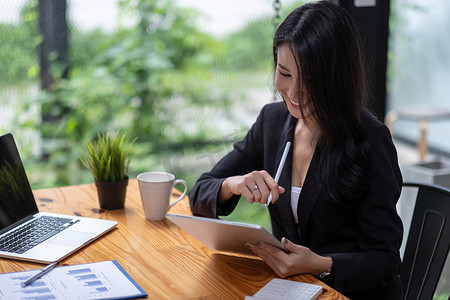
(325, 43)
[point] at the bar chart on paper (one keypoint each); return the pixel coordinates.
(102, 280)
(87, 279)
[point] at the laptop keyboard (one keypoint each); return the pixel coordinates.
(34, 233)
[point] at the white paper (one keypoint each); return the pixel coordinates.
(282, 289)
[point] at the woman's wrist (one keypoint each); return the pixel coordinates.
(324, 267)
(327, 272)
(224, 192)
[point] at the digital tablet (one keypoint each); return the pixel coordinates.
(225, 236)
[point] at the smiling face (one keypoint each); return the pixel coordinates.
(288, 83)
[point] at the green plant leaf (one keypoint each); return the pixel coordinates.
(109, 157)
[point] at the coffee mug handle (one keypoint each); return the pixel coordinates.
(184, 193)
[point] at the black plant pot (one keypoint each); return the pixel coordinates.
(111, 195)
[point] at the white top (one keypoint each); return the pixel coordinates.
(295, 193)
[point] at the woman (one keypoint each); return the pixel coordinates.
(334, 205)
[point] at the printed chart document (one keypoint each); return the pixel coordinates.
(99, 280)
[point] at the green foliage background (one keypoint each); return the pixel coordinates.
(161, 80)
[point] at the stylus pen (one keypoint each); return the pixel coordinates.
(280, 168)
(39, 274)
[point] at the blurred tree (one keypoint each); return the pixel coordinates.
(250, 48)
(19, 61)
(159, 78)
(125, 80)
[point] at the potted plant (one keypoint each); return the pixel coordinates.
(108, 160)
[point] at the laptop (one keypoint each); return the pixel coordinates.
(223, 235)
(26, 233)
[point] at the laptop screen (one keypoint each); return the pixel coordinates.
(16, 197)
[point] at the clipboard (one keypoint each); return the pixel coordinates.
(99, 280)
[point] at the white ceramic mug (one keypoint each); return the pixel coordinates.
(156, 192)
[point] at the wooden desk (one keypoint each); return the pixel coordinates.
(165, 261)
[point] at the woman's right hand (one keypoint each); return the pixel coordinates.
(255, 186)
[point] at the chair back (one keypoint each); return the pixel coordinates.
(428, 241)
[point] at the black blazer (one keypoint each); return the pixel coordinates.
(363, 242)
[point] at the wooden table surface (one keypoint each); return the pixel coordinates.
(163, 259)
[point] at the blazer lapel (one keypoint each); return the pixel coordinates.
(308, 196)
(283, 206)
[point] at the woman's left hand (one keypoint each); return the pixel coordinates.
(298, 260)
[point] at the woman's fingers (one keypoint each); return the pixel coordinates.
(246, 188)
(255, 186)
(274, 257)
(262, 191)
(265, 186)
(299, 259)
